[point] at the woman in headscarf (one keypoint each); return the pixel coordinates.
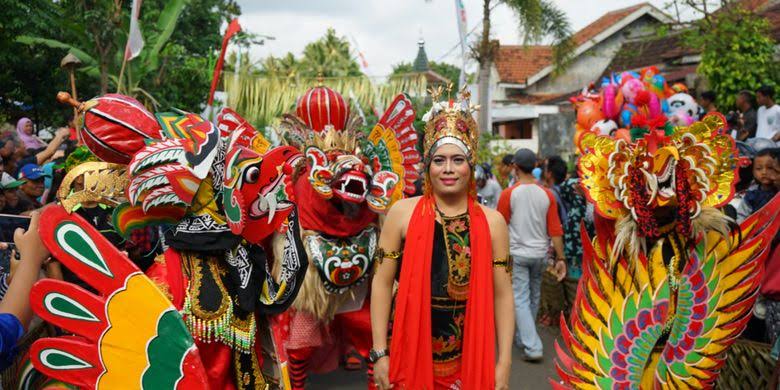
(24, 129)
(453, 321)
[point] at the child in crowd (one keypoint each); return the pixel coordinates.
(765, 169)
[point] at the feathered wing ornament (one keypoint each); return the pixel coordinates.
(391, 148)
(173, 168)
(166, 175)
(129, 335)
(642, 326)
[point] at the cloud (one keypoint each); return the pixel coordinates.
(387, 31)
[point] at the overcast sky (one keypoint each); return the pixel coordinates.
(387, 31)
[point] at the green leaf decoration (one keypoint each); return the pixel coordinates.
(77, 243)
(65, 306)
(56, 359)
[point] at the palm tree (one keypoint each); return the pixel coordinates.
(538, 19)
(286, 67)
(329, 56)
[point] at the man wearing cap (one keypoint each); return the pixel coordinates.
(32, 188)
(532, 214)
(9, 185)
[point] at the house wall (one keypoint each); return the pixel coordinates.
(556, 134)
(591, 64)
(497, 94)
(512, 145)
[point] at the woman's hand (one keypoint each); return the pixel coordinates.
(382, 373)
(502, 376)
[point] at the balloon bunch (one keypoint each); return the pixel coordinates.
(628, 102)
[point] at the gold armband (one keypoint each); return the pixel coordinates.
(503, 263)
(381, 254)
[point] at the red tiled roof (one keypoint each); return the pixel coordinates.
(665, 52)
(648, 52)
(515, 64)
(543, 98)
(534, 99)
(678, 74)
(606, 21)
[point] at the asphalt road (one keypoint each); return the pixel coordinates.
(524, 375)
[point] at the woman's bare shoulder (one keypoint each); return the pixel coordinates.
(404, 206)
(400, 213)
(492, 215)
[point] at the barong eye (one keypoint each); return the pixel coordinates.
(251, 175)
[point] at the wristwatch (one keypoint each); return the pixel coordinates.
(374, 355)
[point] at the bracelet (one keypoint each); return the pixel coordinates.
(503, 262)
(381, 254)
(563, 259)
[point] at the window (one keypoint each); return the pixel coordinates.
(521, 129)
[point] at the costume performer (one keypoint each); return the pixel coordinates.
(224, 190)
(668, 281)
(454, 299)
(348, 181)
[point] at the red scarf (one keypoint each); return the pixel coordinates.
(411, 355)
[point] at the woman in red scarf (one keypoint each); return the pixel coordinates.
(453, 308)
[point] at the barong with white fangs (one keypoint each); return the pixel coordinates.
(668, 281)
(349, 180)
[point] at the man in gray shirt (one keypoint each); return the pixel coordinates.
(488, 190)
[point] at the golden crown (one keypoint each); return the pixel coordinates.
(451, 119)
(332, 139)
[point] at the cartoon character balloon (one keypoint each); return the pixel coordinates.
(683, 109)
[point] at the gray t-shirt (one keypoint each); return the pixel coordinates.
(490, 193)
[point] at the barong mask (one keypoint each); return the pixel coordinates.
(663, 172)
(668, 282)
(257, 186)
(343, 163)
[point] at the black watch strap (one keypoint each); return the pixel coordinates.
(374, 355)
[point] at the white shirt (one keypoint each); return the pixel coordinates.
(532, 215)
(768, 121)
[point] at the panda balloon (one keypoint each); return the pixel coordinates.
(683, 109)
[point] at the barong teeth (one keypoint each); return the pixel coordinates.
(270, 200)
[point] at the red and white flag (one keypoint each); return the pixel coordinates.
(135, 41)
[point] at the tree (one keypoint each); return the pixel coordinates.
(28, 74)
(282, 67)
(329, 56)
(451, 72)
(181, 37)
(737, 50)
(539, 19)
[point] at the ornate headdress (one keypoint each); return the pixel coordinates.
(451, 122)
(344, 163)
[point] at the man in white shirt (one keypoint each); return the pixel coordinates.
(531, 212)
(768, 114)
